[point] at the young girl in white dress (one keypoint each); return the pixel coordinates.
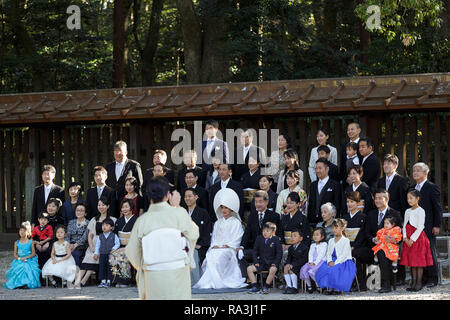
(61, 264)
(220, 267)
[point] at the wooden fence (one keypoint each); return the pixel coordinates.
(74, 150)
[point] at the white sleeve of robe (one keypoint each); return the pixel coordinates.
(227, 232)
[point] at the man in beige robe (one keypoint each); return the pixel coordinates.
(166, 284)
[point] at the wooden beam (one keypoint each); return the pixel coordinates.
(333, 95)
(132, 105)
(108, 105)
(56, 109)
(32, 110)
(12, 108)
(303, 97)
(427, 93)
(244, 100)
(160, 104)
(272, 99)
(187, 103)
(215, 101)
(364, 94)
(394, 94)
(82, 107)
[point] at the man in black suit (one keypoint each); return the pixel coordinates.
(212, 147)
(122, 168)
(101, 190)
(430, 201)
(321, 191)
(191, 179)
(226, 182)
(190, 163)
(395, 184)
(45, 191)
(256, 221)
(201, 218)
(370, 163)
(324, 152)
(243, 151)
(159, 158)
(375, 222)
(353, 133)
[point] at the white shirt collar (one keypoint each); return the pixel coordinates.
(212, 139)
(355, 187)
(364, 159)
(126, 220)
(49, 186)
(325, 180)
(384, 211)
(352, 214)
(421, 184)
(355, 141)
(224, 183)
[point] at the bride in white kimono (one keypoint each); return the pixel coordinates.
(220, 267)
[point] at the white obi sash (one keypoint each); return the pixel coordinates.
(165, 249)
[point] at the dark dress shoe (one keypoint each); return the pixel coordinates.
(384, 290)
(431, 284)
(400, 283)
(292, 291)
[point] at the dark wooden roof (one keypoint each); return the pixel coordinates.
(418, 91)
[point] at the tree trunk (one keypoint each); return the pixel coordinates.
(118, 43)
(192, 38)
(151, 44)
(24, 45)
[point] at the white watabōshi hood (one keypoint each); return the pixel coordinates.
(228, 198)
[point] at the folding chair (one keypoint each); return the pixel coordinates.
(356, 275)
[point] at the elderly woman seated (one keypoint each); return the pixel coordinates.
(328, 211)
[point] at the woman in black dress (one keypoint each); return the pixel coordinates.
(120, 267)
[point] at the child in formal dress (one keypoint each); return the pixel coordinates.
(24, 271)
(43, 233)
(106, 243)
(339, 272)
(416, 252)
(267, 253)
(61, 263)
(391, 250)
(316, 257)
(296, 258)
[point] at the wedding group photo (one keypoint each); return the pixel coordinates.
(224, 150)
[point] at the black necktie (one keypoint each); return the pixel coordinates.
(260, 219)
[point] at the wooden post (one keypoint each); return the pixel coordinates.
(32, 172)
(18, 165)
(447, 128)
(401, 145)
(58, 157)
(134, 146)
(437, 151)
(67, 158)
(9, 193)
(2, 182)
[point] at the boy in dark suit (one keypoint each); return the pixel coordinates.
(201, 218)
(395, 184)
(100, 190)
(44, 192)
(297, 257)
(267, 254)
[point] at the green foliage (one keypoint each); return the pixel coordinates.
(265, 40)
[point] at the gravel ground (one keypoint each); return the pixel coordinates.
(440, 292)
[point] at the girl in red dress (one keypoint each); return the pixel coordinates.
(416, 252)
